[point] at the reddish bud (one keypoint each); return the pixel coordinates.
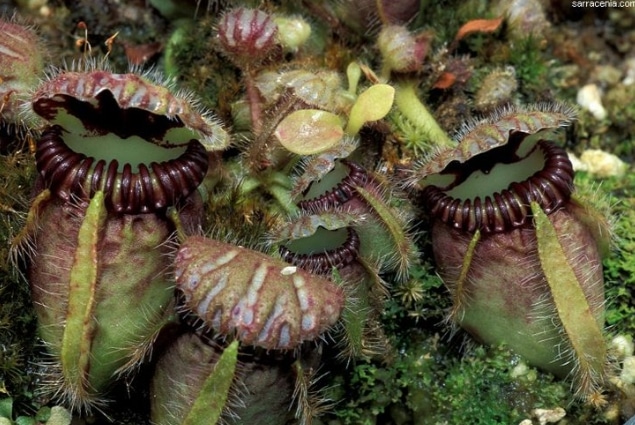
(247, 36)
(21, 63)
(401, 50)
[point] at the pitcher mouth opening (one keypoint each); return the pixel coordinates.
(478, 194)
(340, 186)
(323, 251)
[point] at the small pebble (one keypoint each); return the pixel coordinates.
(629, 78)
(622, 346)
(607, 75)
(589, 98)
(627, 374)
(549, 416)
(603, 164)
(576, 163)
(519, 370)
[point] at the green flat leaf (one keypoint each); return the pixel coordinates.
(309, 131)
(6, 407)
(371, 105)
(59, 416)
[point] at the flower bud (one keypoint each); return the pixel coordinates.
(524, 17)
(21, 65)
(247, 36)
(402, 51)
(293, 32)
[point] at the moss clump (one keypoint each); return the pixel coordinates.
(429, 380)
(530, 64)
(190, 57)
(619, 266)
(621, 110)
(429, 383)
(17, 320)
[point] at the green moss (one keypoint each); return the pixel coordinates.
(446, 17)
(190, 57)
(425, 378)
(616, 133)
(619, 267)
(17, 320)
(620, 107)
(57, 415)
(530, 64)
(428, 379)
(427, 383)
(423, 297)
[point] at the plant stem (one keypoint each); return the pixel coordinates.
(253, 98)
(416, 112)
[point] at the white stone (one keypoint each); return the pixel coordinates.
(549, 416)
(628, 370)
(289, 270)
(629, 78)
(603, 164)
(622, 346)
(576, 163)
(521, 369)
(590, 98)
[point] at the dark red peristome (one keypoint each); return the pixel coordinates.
(341, 193)
(323, 262)
(508, 209)
(151, 187)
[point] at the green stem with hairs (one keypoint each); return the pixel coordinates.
(279, 186)
(409, 105)
(401, 245)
